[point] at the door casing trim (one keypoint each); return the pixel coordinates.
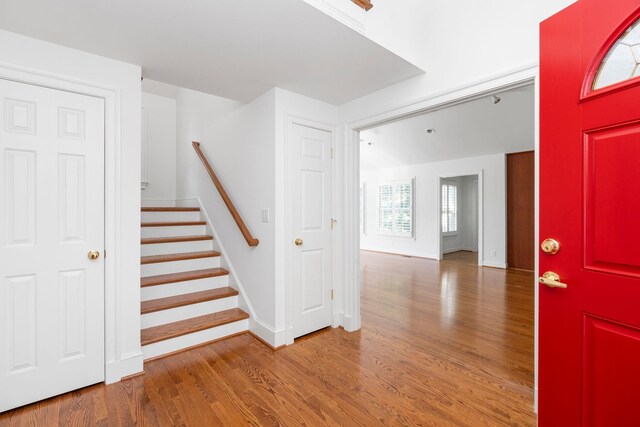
(350, 180)
(117, 365)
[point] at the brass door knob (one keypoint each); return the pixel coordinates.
(552, 280)
(550, 246)
(298, 242)
(93, 255)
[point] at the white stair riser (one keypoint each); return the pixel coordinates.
(179, 266)
(170, 216)
(179, 288)
(176, 248)
(189, 340)
(184, 230)
(187, 312)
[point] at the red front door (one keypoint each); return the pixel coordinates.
(589, 348)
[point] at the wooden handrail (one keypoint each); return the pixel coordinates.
(251, 241)
(365, 4)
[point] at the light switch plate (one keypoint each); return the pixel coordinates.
(265, 215)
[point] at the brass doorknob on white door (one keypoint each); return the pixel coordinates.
(93, 255)
(298, 242)
(552, 280)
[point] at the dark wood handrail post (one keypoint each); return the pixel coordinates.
(251, 241)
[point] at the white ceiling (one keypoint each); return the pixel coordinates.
(475, 128)
(230, 48)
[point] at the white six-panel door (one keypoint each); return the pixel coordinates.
(312, 226)
(51, 216)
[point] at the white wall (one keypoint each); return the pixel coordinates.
(159, 151)
(195, 112)
(248, 146)
(457, 43)
(74, 67)
(426, 233)
(466, 238)
(239, 141)
(469, 213)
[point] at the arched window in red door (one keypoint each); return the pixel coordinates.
(622, 62)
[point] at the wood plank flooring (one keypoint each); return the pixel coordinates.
(441, 344)
(466, 257)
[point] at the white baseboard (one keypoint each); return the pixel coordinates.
(130, 364)
(396, 252)
(338, 320)
(267, 334)
(350, 324)
(494, 264)
(449, 251)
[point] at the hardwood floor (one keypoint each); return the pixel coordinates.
(441, 344)
(466, 257)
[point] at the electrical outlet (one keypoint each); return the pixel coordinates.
(493, 253)
(265, 215)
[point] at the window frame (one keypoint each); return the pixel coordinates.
(442, 209)
(394, 233)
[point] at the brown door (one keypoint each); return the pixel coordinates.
(520, 210)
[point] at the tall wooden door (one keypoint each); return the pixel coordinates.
(311, 229)
(521, 210)
(51, 217)
(589, 371)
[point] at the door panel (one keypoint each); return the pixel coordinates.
(612, 226)
(312, 285)
(312, 210)
(312, 225)
(611, 373)
(521, 210)
(589, 332)
(52, 215)
(20, 169)
(20, 320)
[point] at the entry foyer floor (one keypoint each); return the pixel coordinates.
(441, 344)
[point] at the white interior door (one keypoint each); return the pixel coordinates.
(51, 216)
(311, 229)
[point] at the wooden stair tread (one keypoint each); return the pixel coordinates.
(174, 239)
(173, 223)
(170, 209)
(188, 326)
(182, 277)
(186, 299)
(153, 259)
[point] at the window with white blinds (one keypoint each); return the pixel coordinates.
(449, 208)
(395, 208)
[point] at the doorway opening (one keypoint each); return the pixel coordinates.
(459, 219)
(433, 237)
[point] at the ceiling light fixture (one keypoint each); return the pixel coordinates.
(496, 99)
(431, 131)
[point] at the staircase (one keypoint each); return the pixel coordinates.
(186, 298)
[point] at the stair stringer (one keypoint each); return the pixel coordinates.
(263, 330)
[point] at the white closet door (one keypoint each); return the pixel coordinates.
(51, 217)
(312, 229)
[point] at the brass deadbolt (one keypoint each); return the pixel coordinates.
(550, 246)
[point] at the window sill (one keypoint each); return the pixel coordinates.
(396, 236)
